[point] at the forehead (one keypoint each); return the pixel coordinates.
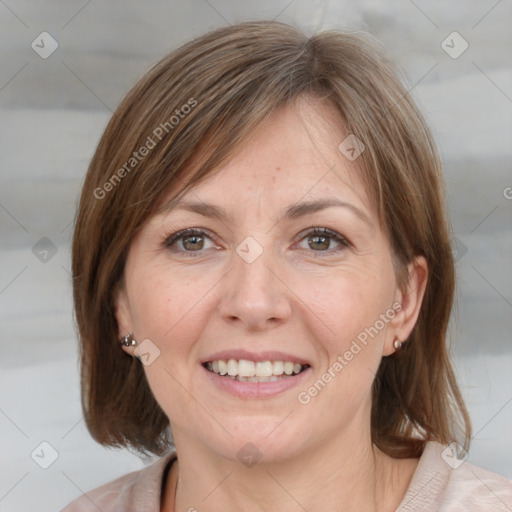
(294, 155)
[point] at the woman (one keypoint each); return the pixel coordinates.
(262, 263)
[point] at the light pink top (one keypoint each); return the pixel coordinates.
(435, 486)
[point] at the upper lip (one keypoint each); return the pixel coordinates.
(255, 356)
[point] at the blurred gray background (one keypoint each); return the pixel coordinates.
(53, 108)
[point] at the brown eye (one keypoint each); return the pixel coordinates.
(324, 240)
(193, 242)
(319, 242)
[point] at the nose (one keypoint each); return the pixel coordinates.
(254, 295)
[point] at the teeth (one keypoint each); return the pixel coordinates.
(223, 367)
(246, 368)
(250, 371)
(272, 378)
(278, 367)
(288, 368)
(263, 369)
(233, 367)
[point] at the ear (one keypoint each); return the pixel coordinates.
(410, 299)
(123, 315)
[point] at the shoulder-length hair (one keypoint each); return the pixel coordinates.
(200, 103)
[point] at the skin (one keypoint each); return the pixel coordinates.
(303, 295)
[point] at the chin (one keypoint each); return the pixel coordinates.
(263, 440)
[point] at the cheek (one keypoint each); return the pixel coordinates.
(171, 304)
(170, 308)
(348, 301)
(349, 324)
(171, 311)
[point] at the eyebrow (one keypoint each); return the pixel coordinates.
(294, 211)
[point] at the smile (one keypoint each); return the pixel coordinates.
(244, 370)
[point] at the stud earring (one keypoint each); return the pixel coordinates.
(128, 341)
(397, 344)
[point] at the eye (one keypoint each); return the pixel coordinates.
(189, 240)
(323, 240)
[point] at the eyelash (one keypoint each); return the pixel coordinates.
(170, 240)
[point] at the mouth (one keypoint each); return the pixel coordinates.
(245, 370)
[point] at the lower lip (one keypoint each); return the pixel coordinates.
(255, 389)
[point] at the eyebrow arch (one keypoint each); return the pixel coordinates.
(294, 211)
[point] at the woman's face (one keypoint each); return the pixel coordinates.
(286, 270)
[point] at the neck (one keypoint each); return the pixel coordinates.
(338, 475)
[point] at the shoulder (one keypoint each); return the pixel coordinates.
(443, 482)
(128, 492)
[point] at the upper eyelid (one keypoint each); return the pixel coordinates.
(178, 235)
(321, 229)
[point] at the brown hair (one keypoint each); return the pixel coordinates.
(203, 100)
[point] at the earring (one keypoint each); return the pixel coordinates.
(128, 340)
(397, 344)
